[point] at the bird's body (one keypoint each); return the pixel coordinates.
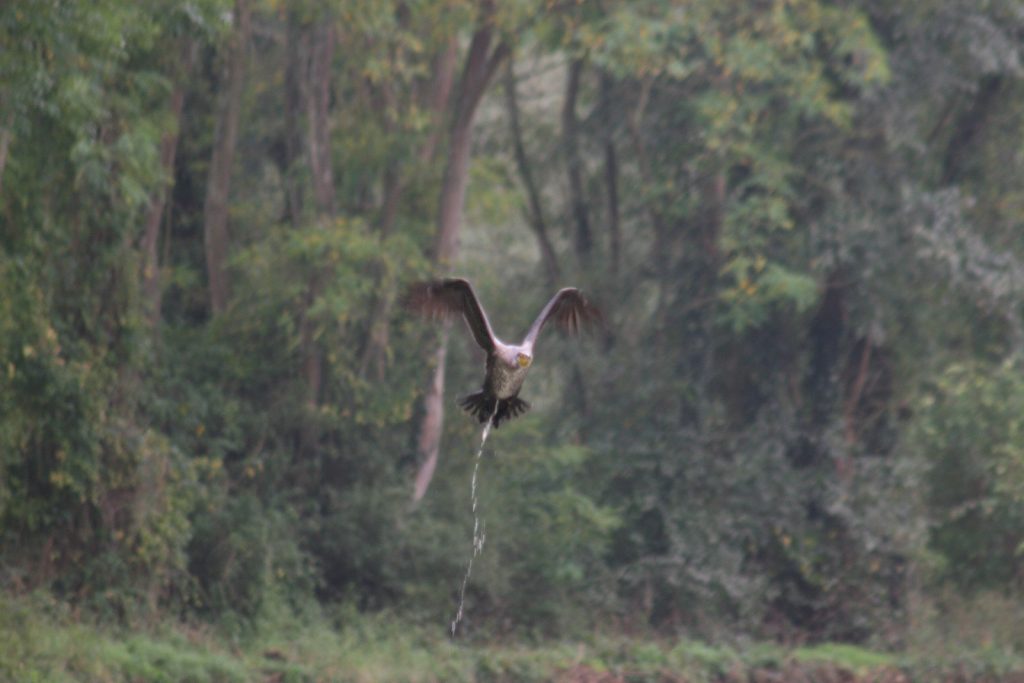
(504, 379)
(507, 364)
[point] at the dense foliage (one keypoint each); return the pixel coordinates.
(802, 218)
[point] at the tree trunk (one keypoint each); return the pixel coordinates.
(317, 111)
(969, 126)
(659, 251)
(317, 87)
(292, 116)
(430, 432)
(481, 63)
(582, 238)
(534, 211)
(711, 220)
(215, 211)
(440, 94)
(852, 401)
(611, 178)
(151, 284)
(374, 355)
(5, 141)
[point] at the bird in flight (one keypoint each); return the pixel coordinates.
(507, 364)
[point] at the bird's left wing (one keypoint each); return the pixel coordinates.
(453, 296)
(570, 309)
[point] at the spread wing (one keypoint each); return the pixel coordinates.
(453, 296)
(570, 309)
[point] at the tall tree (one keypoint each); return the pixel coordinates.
(486, 53)
(152, 288)
(582, 238)
(218, 187)
(434, 97)
(5, 141)
(320, 50)
(319, 40)
(292, 143)
(611, 176)
(534, 209)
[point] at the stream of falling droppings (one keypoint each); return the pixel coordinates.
(479, 534)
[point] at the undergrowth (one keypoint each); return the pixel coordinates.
(41, 640)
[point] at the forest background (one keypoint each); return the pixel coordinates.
(802, 423)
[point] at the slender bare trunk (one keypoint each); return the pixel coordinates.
(583, 240)
(312, 360)
(611, 178)
(659, 251)
(5, 141)
(856, 391)
(292, 117)
(318, 99)
(151, 285)
(582, 237)
(430, 433)
(534, 209)
(317, 112)
(218, 188)
(482, 61)
(713, 190)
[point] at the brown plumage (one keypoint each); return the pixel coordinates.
(507, 364)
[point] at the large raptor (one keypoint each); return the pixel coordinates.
(507, 364)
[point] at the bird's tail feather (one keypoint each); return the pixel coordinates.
(481, 406)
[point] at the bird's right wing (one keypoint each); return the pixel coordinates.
(452, 296)
(570, 309)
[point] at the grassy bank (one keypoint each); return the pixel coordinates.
(42, 641)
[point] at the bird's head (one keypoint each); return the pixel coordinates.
(523, 360)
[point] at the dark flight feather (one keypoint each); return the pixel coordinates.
(569, 309)
(452, 297)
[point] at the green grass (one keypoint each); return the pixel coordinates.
(849, 657)
(40, 641)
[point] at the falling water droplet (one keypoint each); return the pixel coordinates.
(479, 534)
